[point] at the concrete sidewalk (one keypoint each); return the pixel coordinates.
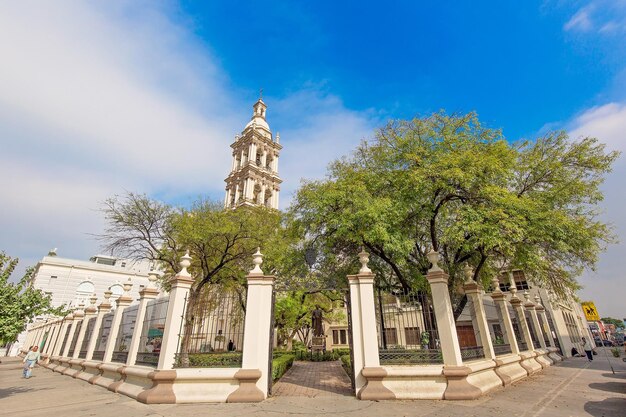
(573, 388)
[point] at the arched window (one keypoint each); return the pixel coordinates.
(84, 291)
(117, 290)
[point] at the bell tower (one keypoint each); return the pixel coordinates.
(253, 178)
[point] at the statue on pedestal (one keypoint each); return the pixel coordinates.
(316, 322)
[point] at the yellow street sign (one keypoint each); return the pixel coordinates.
(591, 314)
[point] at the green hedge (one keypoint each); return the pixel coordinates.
(210, 360)
(280, 365)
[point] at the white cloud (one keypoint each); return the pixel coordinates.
(580, 21)
(605, 285)
(101, 97)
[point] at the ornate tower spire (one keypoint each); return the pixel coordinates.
(253, 178)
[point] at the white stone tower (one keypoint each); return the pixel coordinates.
(253, 178)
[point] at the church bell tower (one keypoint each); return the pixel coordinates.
(253, 178)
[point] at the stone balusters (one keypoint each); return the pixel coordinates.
(180, 286)
(103, 308)
(148, 293)
(477, 310)
(121, 303)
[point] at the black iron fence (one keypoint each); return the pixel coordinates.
(91, 322)
(152, 332)
(406, 328)
(213, 329)
(103, 336)
(472, 353)
(502, 349)
(125, 334)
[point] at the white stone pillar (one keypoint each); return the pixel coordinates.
(541, 311)
(530, 307)
(262, 196)
(264, 158)
(521, 316)
(444, 315)
(474, 293)
(54, 329)
(236, 193)
(121, 303)
(147, 294)
(90, 312)
(181, 284)
(68, 340)
(258, 322)
(276, 164)
(66, 323)
(78, 320)
(367, 371)
(499, 299)
(103, 309)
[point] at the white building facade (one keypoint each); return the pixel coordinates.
(71, 282)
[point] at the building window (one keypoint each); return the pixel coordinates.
(340, 337)
(391, 336)
(412, 335)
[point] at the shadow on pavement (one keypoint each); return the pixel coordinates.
(618, 387)
(7, 392)
(617, 374)
(611, 407)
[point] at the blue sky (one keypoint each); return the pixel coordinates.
(101, 97)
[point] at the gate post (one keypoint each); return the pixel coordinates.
(254, 376)
(181, 284)
(458, 387)
(368, 374)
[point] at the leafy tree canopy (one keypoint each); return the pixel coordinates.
(619, 324)
(448, 183)
(19, 301)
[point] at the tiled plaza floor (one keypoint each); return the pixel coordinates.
(314, 379)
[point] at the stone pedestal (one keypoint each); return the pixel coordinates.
(180, 286)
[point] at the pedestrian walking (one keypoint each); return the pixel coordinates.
(30, 360)
(588, 349)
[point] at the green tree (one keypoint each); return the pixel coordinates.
(619, 324)
(220, 242)
(19, 301)
(446, 182)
